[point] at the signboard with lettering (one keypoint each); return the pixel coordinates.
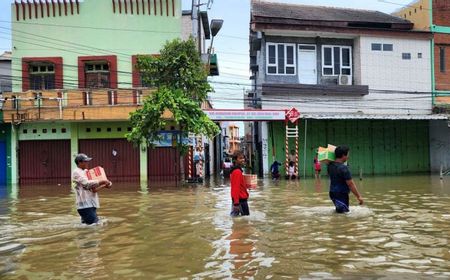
(246, 115)
(292, 115)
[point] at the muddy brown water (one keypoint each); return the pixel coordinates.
(402, 232)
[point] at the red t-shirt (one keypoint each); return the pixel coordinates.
(238, 188)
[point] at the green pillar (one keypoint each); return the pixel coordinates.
(433, 78)
(13, 160)
(73, 143)
(143, 167)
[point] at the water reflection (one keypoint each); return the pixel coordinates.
(242, 248)
(185, 233)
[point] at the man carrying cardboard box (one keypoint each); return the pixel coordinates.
(341, 182)
(86, 190)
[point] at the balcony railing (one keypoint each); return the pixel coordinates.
(71, 105)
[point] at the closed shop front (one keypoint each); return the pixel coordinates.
(163, 167)
(3, 160)
(44, 161)
(117, 156)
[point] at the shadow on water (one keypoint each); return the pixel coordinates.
(186, 232)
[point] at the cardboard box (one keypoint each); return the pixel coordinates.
(326, 154)
(96, 173)
(251, 181)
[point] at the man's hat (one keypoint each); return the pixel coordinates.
(82, 157)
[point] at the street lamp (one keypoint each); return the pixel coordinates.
(215, 26)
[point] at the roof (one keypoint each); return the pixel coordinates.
(354, 17)
(6, 56)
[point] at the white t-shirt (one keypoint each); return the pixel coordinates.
(85, 197)
(291, 170)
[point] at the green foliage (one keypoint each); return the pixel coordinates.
(181, 81)
(177, 67)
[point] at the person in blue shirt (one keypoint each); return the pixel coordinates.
(341, 182)
(274, 170)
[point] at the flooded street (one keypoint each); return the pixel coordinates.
(292, 232)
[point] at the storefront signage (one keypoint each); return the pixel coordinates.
(246, 115)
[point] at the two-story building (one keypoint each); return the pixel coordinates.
(5, 86)
(434, 16)
(74, 63)
(358, 77)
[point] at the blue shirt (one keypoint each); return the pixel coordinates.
(274, 167)
(339, 174)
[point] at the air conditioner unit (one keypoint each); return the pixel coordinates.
(345, 80)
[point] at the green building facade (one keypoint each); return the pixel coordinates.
(69, 33)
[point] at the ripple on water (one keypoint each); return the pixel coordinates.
(11, 247)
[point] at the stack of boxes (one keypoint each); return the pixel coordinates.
(325, 155)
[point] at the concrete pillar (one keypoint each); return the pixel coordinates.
(265, 147)
(73, 144)
(143, 155)
(14, 158)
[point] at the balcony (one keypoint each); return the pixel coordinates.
(303, 89)
(73, 105)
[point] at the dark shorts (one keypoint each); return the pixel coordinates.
(243, 208)
(88, 215)
(341, 201)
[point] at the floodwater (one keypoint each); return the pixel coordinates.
(186, 233)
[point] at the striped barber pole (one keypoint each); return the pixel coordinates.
(296, 153)
(190, 162)
(286, 163)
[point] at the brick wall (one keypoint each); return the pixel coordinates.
(442, 41)
(441, 12)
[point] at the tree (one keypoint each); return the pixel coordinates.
(181, 84)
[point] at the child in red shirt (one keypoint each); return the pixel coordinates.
(239, 193)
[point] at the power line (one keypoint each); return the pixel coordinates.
(92, 27)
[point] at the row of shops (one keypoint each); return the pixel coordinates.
(45, 152)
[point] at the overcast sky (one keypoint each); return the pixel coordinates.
(231, 44)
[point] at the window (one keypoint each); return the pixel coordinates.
(406, 56)
(42, 76)
(388, 47)
(280, 59)
(63, 130)
(97, 74)
(442, 59)
(336, 60)
(419, 55)
(382, 47)
(376, 47)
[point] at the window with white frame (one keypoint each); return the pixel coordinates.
(336, 60)
(280, 59)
